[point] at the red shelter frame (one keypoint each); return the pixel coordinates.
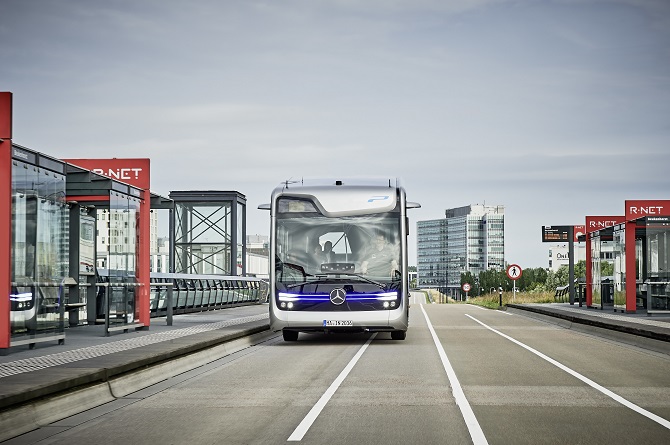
(636, 209)
(593, 224)
(135, 172)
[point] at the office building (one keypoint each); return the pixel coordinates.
(469, 239)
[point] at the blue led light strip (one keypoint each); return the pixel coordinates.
(383, 296)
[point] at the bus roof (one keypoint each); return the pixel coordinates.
(324, 182)
(363, 195)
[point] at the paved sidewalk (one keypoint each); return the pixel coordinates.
(639, 325)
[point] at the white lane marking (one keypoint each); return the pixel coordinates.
(417, 297)
(471, 422)
(658, 419)
(311, 416)
(486, 309)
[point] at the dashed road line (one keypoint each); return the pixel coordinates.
(313, 413)
(471, 422)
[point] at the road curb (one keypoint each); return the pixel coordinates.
(647, 337)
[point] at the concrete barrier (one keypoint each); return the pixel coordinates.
(25, 418)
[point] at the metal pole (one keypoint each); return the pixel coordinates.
(580, 295)
(571, 267)
(171, 237)
(108, 289)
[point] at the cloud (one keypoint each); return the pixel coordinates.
(553, 109)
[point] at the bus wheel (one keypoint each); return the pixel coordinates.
(398, 335)
(289, 335)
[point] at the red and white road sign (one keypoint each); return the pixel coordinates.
(466, 287)
(514, 272)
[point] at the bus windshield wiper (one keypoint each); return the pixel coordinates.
(302, 283)
(349, 274)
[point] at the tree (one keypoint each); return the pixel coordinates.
(580, 269)
(492, 278)
(551, 282)
(562, 276)
(530, 280)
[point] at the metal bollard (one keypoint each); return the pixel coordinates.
(500, 296)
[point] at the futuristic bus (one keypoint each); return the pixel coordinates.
(338, 257)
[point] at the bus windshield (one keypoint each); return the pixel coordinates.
(312, 247)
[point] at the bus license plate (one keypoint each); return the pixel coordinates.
(332, 323)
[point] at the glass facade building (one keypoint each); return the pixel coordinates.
(431, 253)
(469, 239)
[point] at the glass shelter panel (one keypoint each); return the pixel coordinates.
(657, 278)
(120, 303)
(240, 235)
(39, 256)
(596, 284)
(619, 266)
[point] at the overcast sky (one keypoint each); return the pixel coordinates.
(554, 109)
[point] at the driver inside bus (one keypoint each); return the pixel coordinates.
(317, 256)
(381, 259)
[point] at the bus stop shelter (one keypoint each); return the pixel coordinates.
(641, 254)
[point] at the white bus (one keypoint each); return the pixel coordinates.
(338, 257)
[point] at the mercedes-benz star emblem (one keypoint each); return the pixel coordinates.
(337, 296)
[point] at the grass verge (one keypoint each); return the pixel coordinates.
(492, 301)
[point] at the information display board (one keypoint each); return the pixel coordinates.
(553, 234)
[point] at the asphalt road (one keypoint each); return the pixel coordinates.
(463, 375)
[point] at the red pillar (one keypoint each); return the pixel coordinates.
(5, 215)
(631, 268)
(589, 272)
(144, 259)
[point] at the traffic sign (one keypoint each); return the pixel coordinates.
(514, 272)
(466, 287)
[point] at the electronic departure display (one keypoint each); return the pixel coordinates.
(552, 234)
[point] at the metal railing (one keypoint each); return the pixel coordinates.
(196, 293)
(562, 294)
(175, 294)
